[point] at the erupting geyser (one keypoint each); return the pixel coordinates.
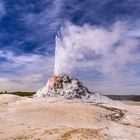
(64, 57)
(64, 86)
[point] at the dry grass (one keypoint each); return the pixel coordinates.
(81, 134)
(74, 133)
(21, 138)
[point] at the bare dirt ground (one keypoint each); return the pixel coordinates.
(58, 119)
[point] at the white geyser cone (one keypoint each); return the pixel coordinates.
(71, 88)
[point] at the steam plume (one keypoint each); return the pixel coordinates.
(89, 47)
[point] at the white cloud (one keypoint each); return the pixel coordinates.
(43, 23)
(2, 9)
(125, 85)
(135, 29)
(28, 72)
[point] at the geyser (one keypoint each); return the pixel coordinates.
(71, 53)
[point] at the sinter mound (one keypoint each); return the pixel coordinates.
(71, 88)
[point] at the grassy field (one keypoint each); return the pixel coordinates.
(125, 97)
(19, 93)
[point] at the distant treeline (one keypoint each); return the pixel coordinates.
(19, 93)
(114, 97)
(125, 97)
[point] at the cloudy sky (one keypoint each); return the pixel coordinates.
(97, 42)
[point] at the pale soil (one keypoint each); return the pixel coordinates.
(59, 119)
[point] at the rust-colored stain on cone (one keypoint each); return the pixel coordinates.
(54, 81)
